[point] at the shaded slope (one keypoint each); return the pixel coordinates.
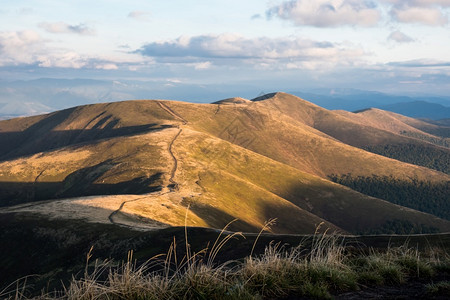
(24, 136)
(422, 148)
(134, 164)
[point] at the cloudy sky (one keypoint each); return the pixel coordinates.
(395, 46)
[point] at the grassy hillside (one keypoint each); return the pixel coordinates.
(276, 135)
(374, 130)
(56, 251)
(219, 181)
(235, 159)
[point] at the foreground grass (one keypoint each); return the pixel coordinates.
(317, 269)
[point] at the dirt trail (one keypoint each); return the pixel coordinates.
(120, 208)
(172, 186)
(171, 112)
(217, 110)
(39, 175)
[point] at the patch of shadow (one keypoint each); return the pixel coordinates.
(42, 136)
(82, 182)
(32, 244)
(264, 97)
(291, 221)
(218, 219)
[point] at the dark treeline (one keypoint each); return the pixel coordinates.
(441, 140)
(425, 196)
(429, 157)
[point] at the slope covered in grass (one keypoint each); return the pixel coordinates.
(249, 160)
(317, 266)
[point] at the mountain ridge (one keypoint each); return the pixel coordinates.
(276, 153)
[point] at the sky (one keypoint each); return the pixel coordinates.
(393, 46)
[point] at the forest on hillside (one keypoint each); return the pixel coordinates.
(429, 157)
(442, 138)
(425, 196)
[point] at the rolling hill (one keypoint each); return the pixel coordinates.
(149, 164)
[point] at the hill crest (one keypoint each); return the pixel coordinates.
(263, 159)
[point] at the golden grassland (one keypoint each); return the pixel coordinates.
(249, 160)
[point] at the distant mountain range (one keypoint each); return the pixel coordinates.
(352, 100)
(23, 98)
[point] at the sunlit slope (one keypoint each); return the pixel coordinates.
(217, 182)
(264, 127)
(134, 164)
(399, 124)
(229, 171)
(384, 120)
(256, 127)
(236, 159)
(365, 128)
(213, 196)
(412, 145)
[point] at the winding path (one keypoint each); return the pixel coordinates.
(110, 217)
(173, 185)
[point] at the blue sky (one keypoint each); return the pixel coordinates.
(394, 46)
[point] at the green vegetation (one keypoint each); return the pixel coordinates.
(319, 267)
(421, 155)
(430, 197)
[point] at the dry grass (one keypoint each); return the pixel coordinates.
(319, 267)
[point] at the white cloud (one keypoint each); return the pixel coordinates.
(203, 65)
(235, 51)
(238, 47)
(442, 3)
(29, 48)
(327, 13)
(106, 66)
(425, 15)
(65, 59)
(427, 12)
(139, 15)
(335, 13)
(19, 47)
(400, 37)
(61, 27)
